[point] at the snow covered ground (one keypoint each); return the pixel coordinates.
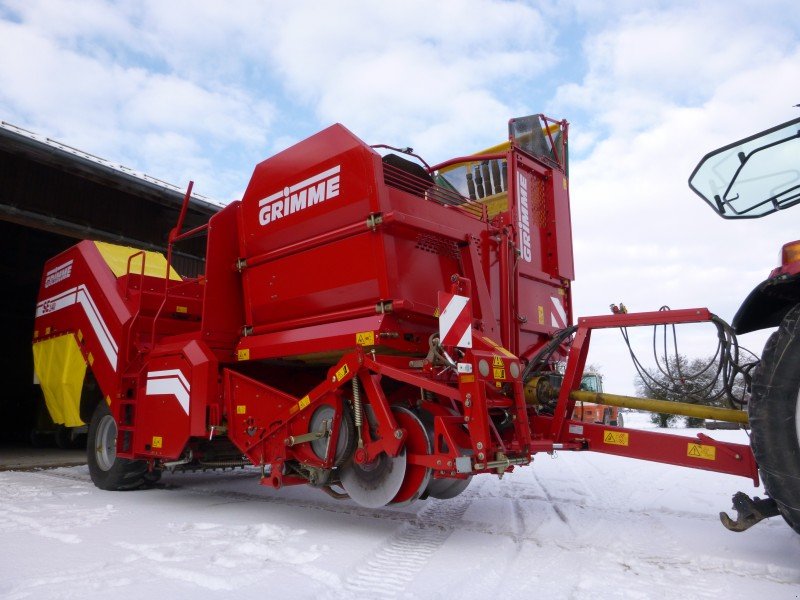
(578, 526)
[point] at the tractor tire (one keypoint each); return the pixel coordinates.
(774, 411)
(107, 471)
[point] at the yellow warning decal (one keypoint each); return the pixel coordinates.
(499, 373)
(90, 359)
(304, 401)
(541, 315)
(701, 451)
(108, 400)
(181, 309)
(157, 442)
(617, 438)
(47, 331)
(80, 336)
(497, 361)
(436, 313)
(243, 354)
(365, 338)
(342, 373)
(564, 181)
(241, 409)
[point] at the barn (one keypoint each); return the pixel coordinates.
(51, 196)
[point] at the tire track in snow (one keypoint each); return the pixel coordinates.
(390, 568)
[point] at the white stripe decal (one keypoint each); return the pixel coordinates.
(80, 295)
(561, 321)
(466, 339)
(170, 373)
(169, 386)
(450, 313)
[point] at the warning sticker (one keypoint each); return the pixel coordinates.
(497, 361)
(499, 373)
(304, 401)
(342, 373)
(157, 442)
(243, 354)
(701, 451)
(541, 315)
(241, 409)
(365, 338)
(617, 438)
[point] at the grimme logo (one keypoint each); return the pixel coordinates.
(60, 273)
(523, 218)
(300, 196)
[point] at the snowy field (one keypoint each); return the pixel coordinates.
(577, 526)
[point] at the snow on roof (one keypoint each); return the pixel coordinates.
(143, 177)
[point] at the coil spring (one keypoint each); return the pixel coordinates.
(358, 415)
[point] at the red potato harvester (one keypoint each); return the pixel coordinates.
(366, 324)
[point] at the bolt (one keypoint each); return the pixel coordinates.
(466, 419)
(438, 462)
(449, 463)
(479, 445)
(398, 433)
(453, 473)
(333, 379)
(480, 456)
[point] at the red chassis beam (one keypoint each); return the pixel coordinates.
(701, 452)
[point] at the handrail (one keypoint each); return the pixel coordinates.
(127, 296)
(174, 235)
(128, 272)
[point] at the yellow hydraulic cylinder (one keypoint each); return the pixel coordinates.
(664, 406)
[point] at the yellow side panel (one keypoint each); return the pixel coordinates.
(60, 368)
(155, 265)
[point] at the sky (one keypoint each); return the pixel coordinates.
(205, 90)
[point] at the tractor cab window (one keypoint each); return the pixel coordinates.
(591, 383)
(753, 177)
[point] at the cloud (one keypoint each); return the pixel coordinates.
(72, 87)
(417, 73)
(663, 88)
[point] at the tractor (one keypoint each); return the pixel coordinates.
(749, 179)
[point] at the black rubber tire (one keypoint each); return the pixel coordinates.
(113, 475)
(774, 419)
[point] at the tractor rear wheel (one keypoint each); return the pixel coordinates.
(107, 471)
(774, 411)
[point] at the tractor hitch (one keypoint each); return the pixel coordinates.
(749, 511)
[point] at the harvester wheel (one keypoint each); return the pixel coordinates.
(774, 411)
(107, 471)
